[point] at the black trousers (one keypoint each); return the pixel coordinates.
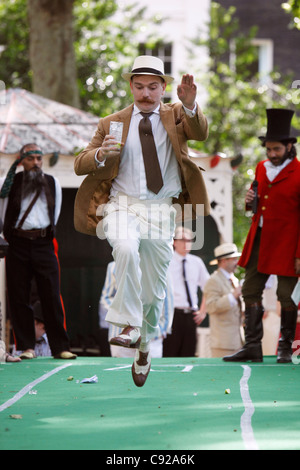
(28, 259)
(183, 339)
(255, 281)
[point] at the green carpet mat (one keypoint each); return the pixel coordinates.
(186, 404)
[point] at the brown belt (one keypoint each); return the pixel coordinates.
(32, 234)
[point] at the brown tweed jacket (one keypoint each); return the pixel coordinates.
(94, 190)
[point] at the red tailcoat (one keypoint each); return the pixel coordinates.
(279, 204)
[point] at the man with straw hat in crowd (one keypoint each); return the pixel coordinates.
(222, 299)
(134, 177)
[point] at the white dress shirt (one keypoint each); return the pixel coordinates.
(38, 216)
(196, 276)
(273, 171)
(131, 179)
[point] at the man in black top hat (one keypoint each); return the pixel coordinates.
(273, 242)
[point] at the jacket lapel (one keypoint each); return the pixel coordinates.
(168, 121)
(224, 281)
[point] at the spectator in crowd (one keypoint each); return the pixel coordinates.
(222, 299)
(41, 348)
(273, 242)
(187, 272)
(32, 201)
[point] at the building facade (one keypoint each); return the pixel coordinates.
(277, 42)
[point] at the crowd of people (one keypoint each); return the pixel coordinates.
(137, 171)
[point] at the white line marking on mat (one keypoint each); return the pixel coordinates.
(119, 367)
(246, 425)
(28, 387)
(122, 367)
(188, 368)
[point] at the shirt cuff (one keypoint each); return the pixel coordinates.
(99, 164)
(190, 112)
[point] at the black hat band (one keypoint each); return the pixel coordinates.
(147, 70)
(225, 254)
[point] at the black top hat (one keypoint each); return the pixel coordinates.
(279, 126)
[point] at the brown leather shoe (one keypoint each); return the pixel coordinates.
(141, 367)
(128, 338)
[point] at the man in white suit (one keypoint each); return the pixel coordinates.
(222, 295)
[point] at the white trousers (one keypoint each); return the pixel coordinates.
(141, 235)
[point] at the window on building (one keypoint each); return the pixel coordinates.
(263, 62)
(265, 58)
(164, 52)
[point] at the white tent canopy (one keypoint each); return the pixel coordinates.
(55, 127)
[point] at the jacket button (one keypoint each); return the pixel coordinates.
(263, 208)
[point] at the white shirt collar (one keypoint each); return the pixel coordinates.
(136, 110)
(226, 273)
(273, 171)
(179, 257)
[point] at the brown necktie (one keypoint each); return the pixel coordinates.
(152, 168)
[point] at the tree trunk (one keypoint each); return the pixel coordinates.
(52, 56)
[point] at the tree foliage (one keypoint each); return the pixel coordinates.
(14, 43)
(105, 43)
(293, 8)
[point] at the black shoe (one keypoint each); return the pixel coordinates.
(246, 354)
(252, 351)
(287, 330)
(284, 357)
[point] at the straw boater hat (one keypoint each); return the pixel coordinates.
(183, 233)
(148, 65)
(224, 251)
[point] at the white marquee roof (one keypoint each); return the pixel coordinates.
(55, 127)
